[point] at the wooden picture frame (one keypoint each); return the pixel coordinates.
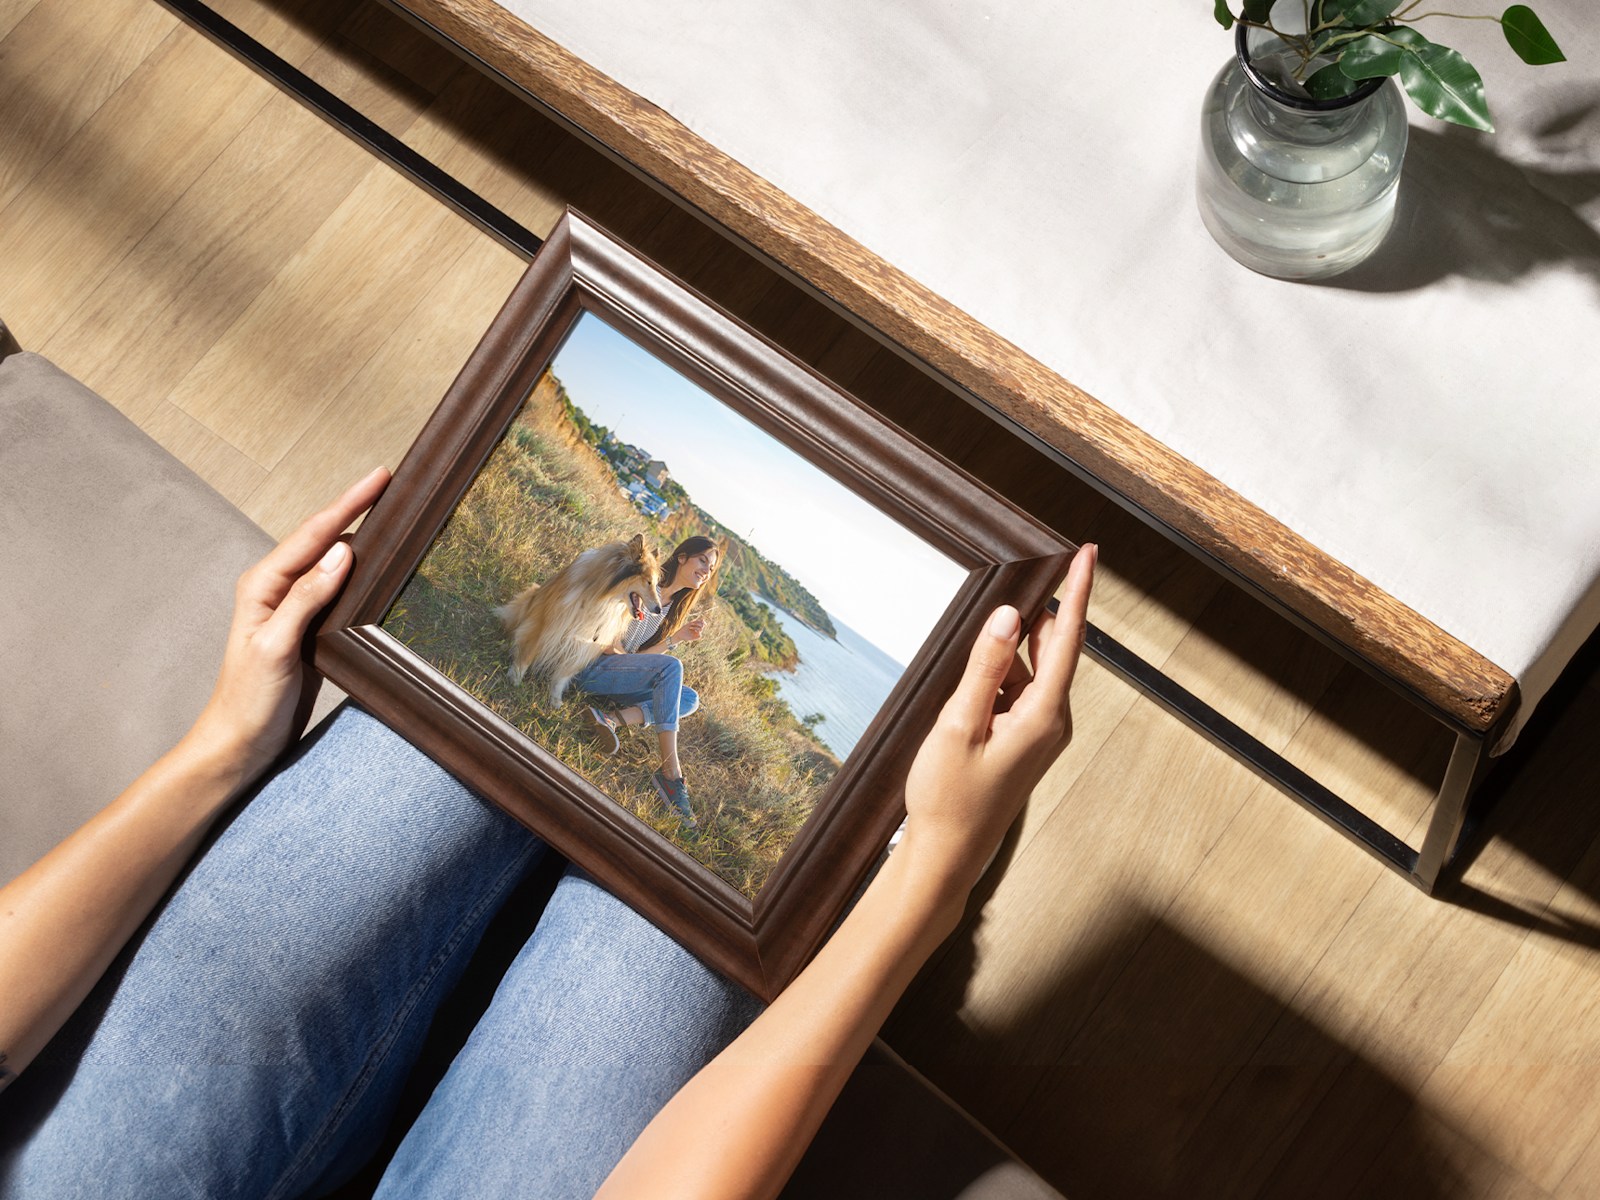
(761, 941)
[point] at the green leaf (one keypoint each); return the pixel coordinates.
(1358, 14)
(1224, 14)
(1440, 82)
(1529, 38)
(1257, 10)
(1330, 83)
(1370, 57)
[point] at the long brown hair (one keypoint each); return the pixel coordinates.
(682, 605)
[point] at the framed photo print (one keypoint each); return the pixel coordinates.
(678, 604)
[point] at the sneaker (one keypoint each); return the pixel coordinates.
(675, 793)
(604, 732)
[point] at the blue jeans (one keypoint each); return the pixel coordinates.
(653, 682)
(252, 1040)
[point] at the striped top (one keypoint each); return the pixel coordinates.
(642, 630)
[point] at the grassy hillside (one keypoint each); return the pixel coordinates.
(754, 771)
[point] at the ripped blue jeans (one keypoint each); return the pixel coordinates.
(653, 682)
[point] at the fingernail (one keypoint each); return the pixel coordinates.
(334, 558)
(1005, 622)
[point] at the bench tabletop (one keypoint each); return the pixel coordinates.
(1398, 457)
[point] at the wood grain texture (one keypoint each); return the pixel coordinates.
(203, 451)
(97, 198)
(362, 270)
(226, 237)
(1319, 589)
(374, 419)
(12, 11)
(59, 67)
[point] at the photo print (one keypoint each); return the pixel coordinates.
(671, 602)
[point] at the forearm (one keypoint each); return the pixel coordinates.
(761, 1100)
(64, 919)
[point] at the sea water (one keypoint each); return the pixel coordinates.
(846, 680)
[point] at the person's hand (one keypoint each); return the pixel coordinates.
(997, 734)
(265, 689)
(691, 630)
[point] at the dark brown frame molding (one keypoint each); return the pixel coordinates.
(1010, 558)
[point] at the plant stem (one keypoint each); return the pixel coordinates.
(1456, 16)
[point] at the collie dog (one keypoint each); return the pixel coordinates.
(565, 624)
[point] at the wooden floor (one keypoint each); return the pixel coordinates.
(1183, 985)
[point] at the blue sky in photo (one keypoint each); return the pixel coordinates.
(866, 569)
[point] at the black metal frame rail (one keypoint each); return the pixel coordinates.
(1469, 758)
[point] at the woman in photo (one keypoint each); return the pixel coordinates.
(645, 680)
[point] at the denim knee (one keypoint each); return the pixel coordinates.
(670, 673)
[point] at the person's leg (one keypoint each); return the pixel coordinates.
(661, 677)
(688, 701)
(599, 1021)
(636, 711)
(251, 1040)
(655, 680)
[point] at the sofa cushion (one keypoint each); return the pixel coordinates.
(117, 590)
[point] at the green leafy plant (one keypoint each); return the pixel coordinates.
(1346, 42)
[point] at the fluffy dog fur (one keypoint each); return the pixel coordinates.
(563, 626)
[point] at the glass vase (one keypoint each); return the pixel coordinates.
(1291, 186)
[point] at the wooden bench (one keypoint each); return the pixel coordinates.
(793, 134)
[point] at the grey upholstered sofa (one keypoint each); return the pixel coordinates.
(117, 586)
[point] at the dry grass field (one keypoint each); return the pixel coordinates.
(544, 496)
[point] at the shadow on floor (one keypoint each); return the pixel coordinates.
(1543, 802)
(1186, 1079)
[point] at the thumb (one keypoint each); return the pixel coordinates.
(971, 705)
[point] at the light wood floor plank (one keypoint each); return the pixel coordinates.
(1149, 596)
(378, 414)
(1524, 1075)
(1409, 975)
(203, 452)
(1429, 1157)
(58, 65)
(11, 12)
(291, 29)
(1195, 999)
(223, 240)
(385, 38)
(278, 367)
(268, 376)
(1011, 996)
(1583, 1181)
(120, 172)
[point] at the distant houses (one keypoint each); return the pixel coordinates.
(638, 475)
(646, 499)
